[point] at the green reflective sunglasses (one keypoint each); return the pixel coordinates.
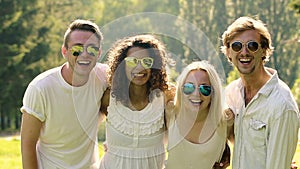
(189, 88)
(146, 62)
(78, 50)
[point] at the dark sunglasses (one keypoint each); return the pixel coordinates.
(189, 88)
(78, 50)
(146, 62)
(252, 46)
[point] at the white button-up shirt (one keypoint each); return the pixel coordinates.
(266, 130)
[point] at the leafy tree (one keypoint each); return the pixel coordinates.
(232, 75)
(296, 91)
(295, 4)
(31, 37)
(281, 22)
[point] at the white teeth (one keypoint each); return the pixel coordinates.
(138, 74)
(196, 101)
(83, 62)
(245, 60)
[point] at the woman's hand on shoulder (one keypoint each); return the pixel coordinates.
(170, 93)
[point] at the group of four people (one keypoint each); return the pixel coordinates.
(62, 106)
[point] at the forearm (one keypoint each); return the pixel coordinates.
(29, 157)
(30, 130)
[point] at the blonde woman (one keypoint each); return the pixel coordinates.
(197, 125)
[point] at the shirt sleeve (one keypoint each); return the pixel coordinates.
(101, 72)
(33, 103)
(283, 138)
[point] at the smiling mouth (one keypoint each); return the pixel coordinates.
(138, 75)
(196, 101)
(245, 60)
(83, 62)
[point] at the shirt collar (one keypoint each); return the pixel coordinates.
(268, 87)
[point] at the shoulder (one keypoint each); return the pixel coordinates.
(284, 94)
(234, 84)
(101, 71)
(46, 78)
(101, 68)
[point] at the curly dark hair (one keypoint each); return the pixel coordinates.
(117, 78)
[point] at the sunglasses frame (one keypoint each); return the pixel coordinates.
(247, 46)
(130, 60)
(200, 87)
(86, 48)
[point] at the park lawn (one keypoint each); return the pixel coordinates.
(10, 153)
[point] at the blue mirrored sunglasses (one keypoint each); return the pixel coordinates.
(189, 88)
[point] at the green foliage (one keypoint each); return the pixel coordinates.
(232, 75)
(32, 33)
(296, 91)
(295, 4)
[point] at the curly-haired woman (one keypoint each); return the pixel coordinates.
(138, 93)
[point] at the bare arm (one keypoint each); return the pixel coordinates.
(105, 102)
(30, 132)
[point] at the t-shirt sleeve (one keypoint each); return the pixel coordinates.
(101, 73)
(33, 103)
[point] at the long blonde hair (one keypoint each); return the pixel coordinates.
(217, 100)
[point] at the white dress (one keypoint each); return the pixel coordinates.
(184, 154)
(135, 138)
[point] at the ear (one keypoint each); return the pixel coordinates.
(64, 51)
(228, 53)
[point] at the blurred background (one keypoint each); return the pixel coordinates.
(31, 35)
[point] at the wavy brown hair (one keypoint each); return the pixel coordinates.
(117, 78)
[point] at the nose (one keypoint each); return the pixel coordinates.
(244, 50)
(196, 92)
(139, 65)
(84, 53)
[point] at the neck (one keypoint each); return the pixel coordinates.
(138, 96)
(72, 78)
(254, 82)
(185, 118)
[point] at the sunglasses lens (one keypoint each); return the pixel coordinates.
(76, 50)
(92, 50)
(205, 90)
(252, 46)
(188, 88)
(236, 46)
(147, 62)
(131, 61)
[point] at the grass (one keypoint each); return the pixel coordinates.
(10, 153)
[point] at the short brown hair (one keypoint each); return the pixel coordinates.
(83, 25)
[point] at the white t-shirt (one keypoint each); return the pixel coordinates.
(68, 137)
